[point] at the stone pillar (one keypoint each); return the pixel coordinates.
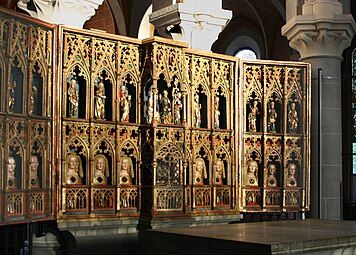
(193, 21)
(71, 12)
(320, 34)
(47, 245)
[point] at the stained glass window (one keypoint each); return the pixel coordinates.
(246, 53)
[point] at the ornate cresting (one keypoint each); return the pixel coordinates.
(26, 64)
(276, 144)
(145, 128)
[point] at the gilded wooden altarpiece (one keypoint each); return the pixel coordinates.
(109, 126)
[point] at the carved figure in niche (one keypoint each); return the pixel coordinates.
(99, 107)
(101, 171)
(271, 175)
(150, 106)
(199, 171)
(252, 117)
(165, 108)
(216, 113)
(251, 178)
(125, 104)
(272, 117)
(293, 117)
(291, 171)
(177, 107)
(74, 171)
(73, 98)
(126, 171)
(34, 164)
(33, 96)
(12, 97)
(219, 172)
(197, 108)
(11, 180)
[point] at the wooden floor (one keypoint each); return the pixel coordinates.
(309, 237)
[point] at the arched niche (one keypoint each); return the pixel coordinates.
(17, 86)
(201, 107)
(128, 164)
(128, 95)
(36, 95)
(165, 98)
(169, 165)
(221, 167)
(76, 94)
(146, 167)
(15, 165)
(104, 98)
(221, 106)
(294, 114)
(252, 169)
(37, 166)
(273, 169)
(75, 163)
(274, 110)
(253, 113)
(201, 167)
(293, 174)
(103, 164)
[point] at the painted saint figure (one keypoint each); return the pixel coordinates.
(33, 96)
(73, 98)
(272, 117)
(291, 171)
(11, 180)
(74, 169)
(34, 164)
(12, 97)
(196, 109)
(251, 178)
(271, 176)
(126, 171)
(177, 107)
(99, 107)
(293, 118)
(165, 108)
(101, 171)
(219, 172)
(216, 113)
(199, 171)
(125, 104)
(252, 117)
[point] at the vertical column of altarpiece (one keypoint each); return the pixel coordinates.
(26, 60)
(100, 124)
(276, 124)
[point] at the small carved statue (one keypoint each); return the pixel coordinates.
(272, 117)
(11, 180)
(271, 176)
(252, 117)
(73, 98)
(34, 164)
(199, 171)
(33, 96)
(293, 118)
(99, 107)
(165, 108)
(101, 171)
(197, 108)
(12, 97)
(219, 172)
(177, 107)
(74, 171)
(150, 106)
(291, 171)
(251, 178)
(125, 104)
(216, 113)
(126, 171)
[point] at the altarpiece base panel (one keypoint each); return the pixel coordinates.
(100, 125)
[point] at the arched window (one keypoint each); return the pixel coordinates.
(246, 53)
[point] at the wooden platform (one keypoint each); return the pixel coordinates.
(310, 237)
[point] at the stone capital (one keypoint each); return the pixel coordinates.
(71, 12)
(321, 31)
